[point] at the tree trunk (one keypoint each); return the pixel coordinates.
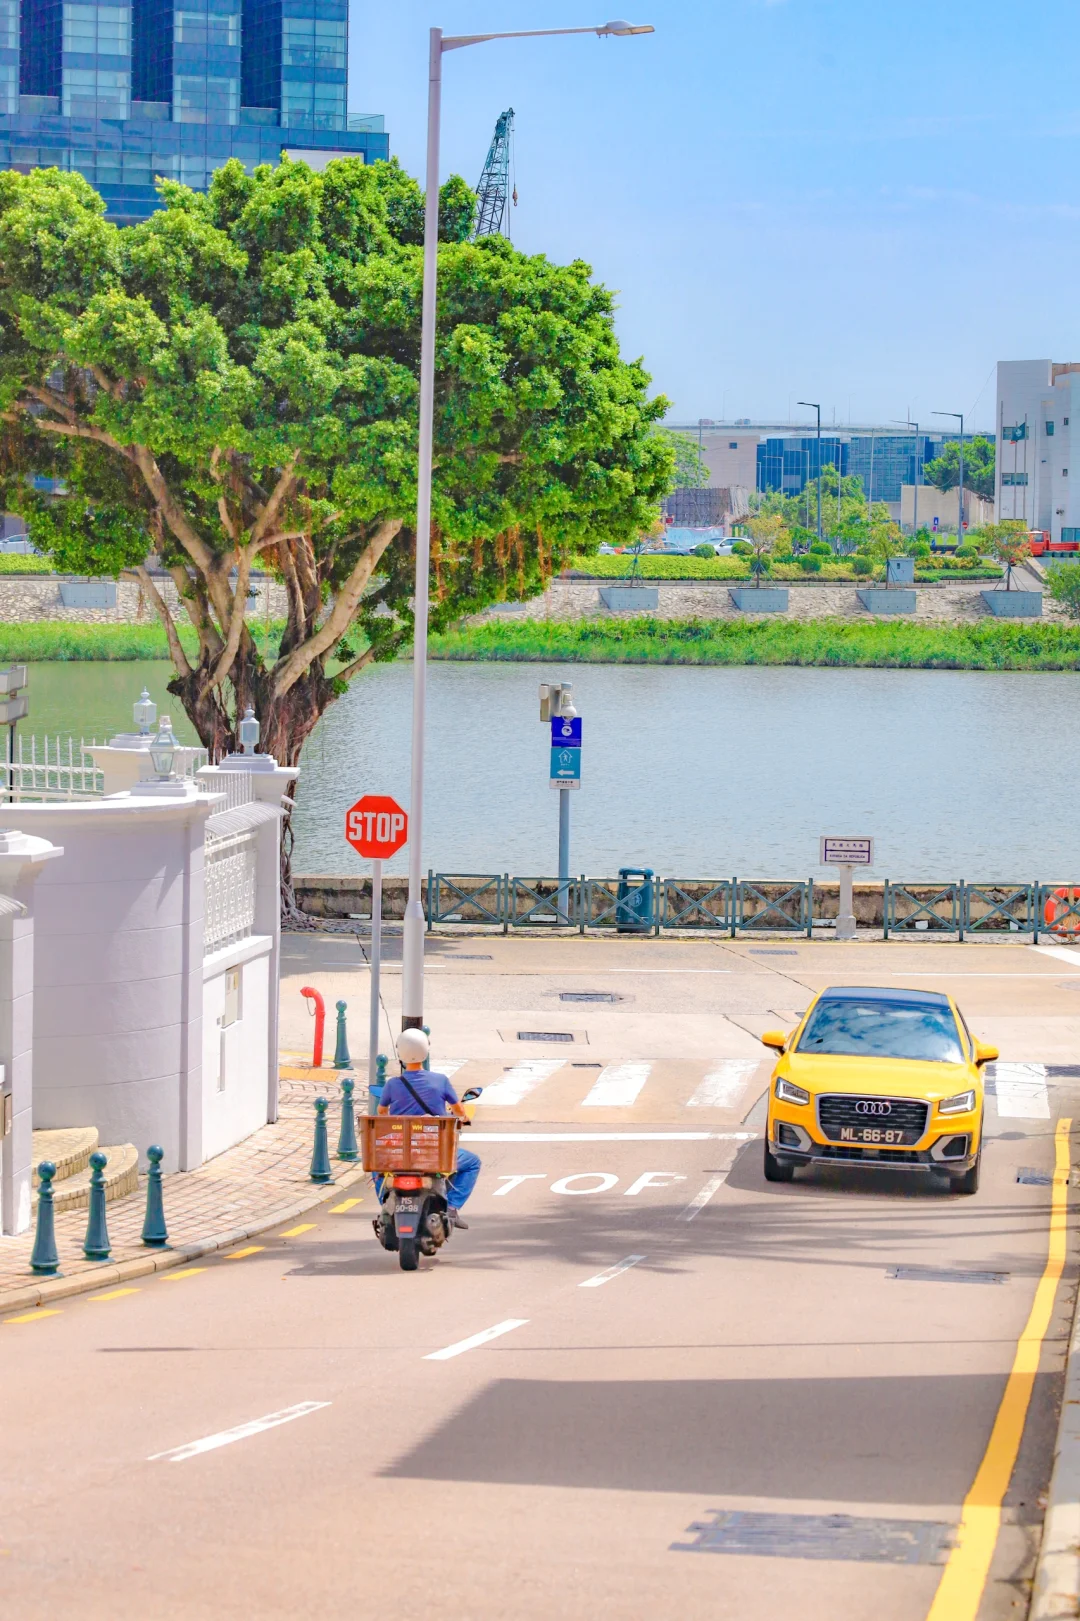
(286, 722)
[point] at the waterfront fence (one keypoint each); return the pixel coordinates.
(40, 767)
(741, 906)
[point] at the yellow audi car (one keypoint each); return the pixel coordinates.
(884, 1078)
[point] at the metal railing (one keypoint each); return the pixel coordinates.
(49, 768)
(466, 897)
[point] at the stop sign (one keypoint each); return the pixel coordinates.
(376, 827)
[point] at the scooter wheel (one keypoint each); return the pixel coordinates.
(385, 1234)
(408, 1255)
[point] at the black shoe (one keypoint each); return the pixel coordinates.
(455, 1219)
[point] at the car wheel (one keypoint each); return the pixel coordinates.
(777, 1170)
(969, 1181)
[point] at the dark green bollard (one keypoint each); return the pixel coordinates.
(346, 1144)
(427, 1060)
(96, 1246)
(154, 1230)
(375, 1093)
(320, 1159)
(341, 1049)
(43, 1257)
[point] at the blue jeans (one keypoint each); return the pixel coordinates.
(459, 1186)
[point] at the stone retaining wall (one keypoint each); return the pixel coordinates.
(27, 597)
(710, 599)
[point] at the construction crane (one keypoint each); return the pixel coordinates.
(493, 190)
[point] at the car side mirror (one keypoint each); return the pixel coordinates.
(472, 1094)
(984, 1053)
(775, 1038)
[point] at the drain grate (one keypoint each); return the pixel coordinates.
(589, 996)
(941, 1274)
(821, 1536)
(545, 1035)
(1037, 1179)
(772, 951)
(471, 956)
(585, 1063)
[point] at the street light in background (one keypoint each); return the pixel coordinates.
(906, 422)
(412, 987)
(810, 406)
(960, 505)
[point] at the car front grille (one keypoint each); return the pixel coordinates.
(844, 1118)
(871, 1156)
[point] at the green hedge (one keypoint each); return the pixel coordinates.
(983, 644)
(16, 563)
(46, 640)
(736, 568)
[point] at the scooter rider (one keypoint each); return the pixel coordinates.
(435, 1096)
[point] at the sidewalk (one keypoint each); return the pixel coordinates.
(249, 1188)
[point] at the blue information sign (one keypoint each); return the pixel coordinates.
(566, 768)
(566, 734)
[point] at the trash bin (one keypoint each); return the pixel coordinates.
(635, 903)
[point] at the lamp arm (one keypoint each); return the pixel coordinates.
(455, 42)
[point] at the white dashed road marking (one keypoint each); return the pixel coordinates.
(612, 1272)
(518, 1082)
(224, 1438)
(1021, 1091)
(700, 1200)
(476, 1339)
(617, 1086)
(725, 1086)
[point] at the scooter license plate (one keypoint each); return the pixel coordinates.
(408, 1202)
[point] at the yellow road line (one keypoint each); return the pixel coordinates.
(960, 1591)
(184, 1272)
(32, 1316)
(252, 1249)
(114, 1294)
(294, 1232)
(346, 1204)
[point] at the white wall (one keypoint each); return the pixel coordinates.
(235, 1058)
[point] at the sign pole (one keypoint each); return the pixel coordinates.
(564, 855)
(376, 961)
(845, 919)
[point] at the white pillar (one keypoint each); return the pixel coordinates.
(125, 761)
(21, 859)
(845, 917)
(269, 782)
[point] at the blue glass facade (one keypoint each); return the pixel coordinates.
(788, 464)
(174, 88)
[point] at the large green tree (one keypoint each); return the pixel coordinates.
(232, 384)
(944, 470)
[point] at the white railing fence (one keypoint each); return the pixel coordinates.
(229, 892)
(49, 768)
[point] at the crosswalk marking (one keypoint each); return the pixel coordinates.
(1021, 1091)
(726, 1084)
(617, 1086)
(518, 1082)
(448, 1066)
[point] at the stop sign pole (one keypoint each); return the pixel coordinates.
(376, 827)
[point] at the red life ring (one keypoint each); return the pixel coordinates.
(1070, 922)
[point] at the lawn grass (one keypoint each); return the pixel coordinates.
(984, 644)
(736, 568)
(24, 563)
(46, 640)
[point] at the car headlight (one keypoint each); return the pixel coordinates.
(962, 1103)
(788, 1092)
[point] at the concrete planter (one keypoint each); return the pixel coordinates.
(88, 593)
(877, 600)
(766, 599)
(1014, 604)
(629, 598)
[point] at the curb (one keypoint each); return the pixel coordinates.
(140, 1266)
(1056, 1588)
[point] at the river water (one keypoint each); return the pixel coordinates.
(695, 772)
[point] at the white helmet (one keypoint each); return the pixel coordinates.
(412, 1046)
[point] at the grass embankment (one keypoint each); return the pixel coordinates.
(46, 640)
(737, 568)
(981, 645)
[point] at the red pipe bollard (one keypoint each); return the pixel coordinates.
(320, 1021)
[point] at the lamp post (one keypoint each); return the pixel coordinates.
(960, 505)
(906, 422)
(412, 987)
(163, 750)
(145, 712)
(810, 406)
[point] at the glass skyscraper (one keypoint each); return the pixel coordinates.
(174, 88)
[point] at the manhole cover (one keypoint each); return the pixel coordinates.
(589, 996)
(936, 1274)
(821, 1536)
(545, 1035)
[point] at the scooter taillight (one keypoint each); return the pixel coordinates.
(408, 1183)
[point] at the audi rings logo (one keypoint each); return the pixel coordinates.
(872, 1106)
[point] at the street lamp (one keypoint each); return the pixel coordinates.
(810, 406)
(907, 423)
(248, 731)
(163, 750)
(960, 505)
(412, 977)
(145, 712)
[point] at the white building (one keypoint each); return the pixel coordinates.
(1038, 414)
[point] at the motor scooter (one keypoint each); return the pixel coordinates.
(413, 1217)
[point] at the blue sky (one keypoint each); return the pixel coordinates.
(851, 201)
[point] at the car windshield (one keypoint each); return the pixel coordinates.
(860, 1027)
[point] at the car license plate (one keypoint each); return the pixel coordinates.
(877, 1136)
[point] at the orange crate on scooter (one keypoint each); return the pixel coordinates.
(409, 1142)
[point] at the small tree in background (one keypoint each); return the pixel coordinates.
(1008, 544)
(765, 534)
(1063, 585)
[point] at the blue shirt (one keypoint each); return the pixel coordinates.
(433, 1089)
